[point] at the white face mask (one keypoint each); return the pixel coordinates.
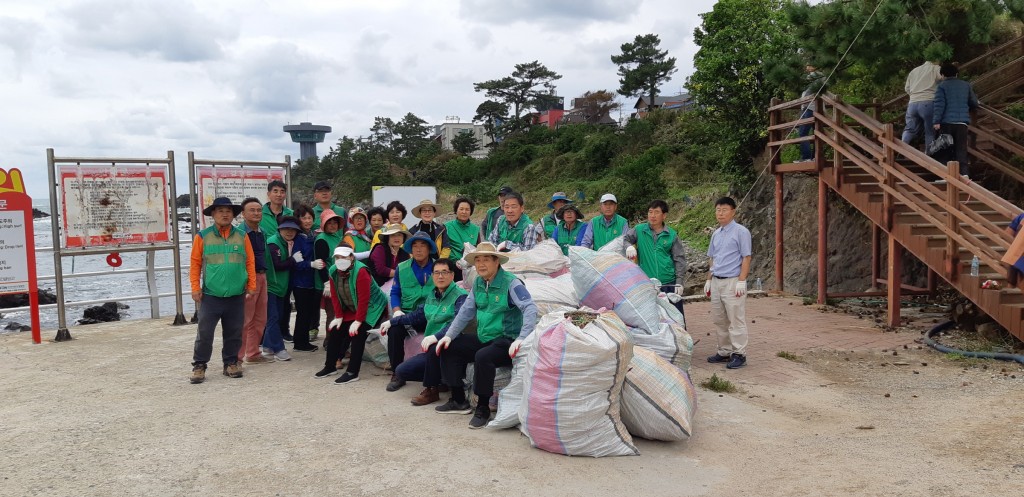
(343, 264)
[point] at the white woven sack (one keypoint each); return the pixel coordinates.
(668, 312)
(616, 246)
(553, 294)
(658, 400)
(544, 258)
(511, 396)
(572, 387)
(671, 342)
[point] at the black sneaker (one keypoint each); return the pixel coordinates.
(307, 348)
(716, 359)
(737, 361)
(325, 372)
(453, 407)
(346, 377)
(480, 417)
(395, 383)
(287, 337)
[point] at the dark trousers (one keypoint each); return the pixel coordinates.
(307, 315)
(230, 311)
(285, 318)
(396, 343)
(425, 366)
(807, 147)
(487, 358)
(338, 343)
(959, 148)
(677, 305)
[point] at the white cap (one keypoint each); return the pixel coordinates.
(344, 251)
(608, 197)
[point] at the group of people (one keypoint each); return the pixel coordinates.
(367, 270)
(940, 102)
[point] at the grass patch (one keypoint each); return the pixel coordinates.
(789, 356)
(964, 360)
(720, 385)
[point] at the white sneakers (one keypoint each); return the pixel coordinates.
(283, 355)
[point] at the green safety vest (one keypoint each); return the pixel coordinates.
(460, 233)
(224, 273)
(268, 224)
(656, 255)
(515, 235)
(333, 240)
(378, 301)
(277, 281)
(603, 235)
(441, 312)
(361, 244)
(568, 237)
(339, 210)
(491, 220)
(414, 293)
(550, 222)
(495, 318)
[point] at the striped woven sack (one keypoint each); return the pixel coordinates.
(658, 399)
(614, 282)
(671, 343)
(572, 386)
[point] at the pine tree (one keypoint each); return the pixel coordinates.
(643, 68)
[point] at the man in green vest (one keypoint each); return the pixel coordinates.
(607, 227)
(273, 210)
(492, 215)
(515, 230)
(412, 286)
(558, 200)
(322, 196)
(435, 315)
(505, 315)
(658, 251)
(223, 255)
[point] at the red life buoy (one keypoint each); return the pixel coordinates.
(114, 259)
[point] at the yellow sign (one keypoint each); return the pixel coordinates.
(11, 181)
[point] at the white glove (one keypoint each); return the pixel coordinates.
(502, 246)
(354, 329)
(397, 313)
(427, 342)
(327, 290)
(317, 264)
(384, 327)
(741, 288)
(707, 288)
(631, 252)
(514, 348)
(461, 264)
(297, 256)
(442, 344)
(334, 324)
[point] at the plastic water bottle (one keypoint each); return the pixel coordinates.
(757, 285)
(975, 264)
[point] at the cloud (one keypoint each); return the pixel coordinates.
(173, 31)
(18, 36)
(369, 56)
(548, 12)
(277, 77)
(480, 36)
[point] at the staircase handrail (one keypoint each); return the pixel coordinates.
(1018, 41)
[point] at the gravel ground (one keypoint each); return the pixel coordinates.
(112, 413)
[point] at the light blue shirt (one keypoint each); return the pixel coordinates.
(729, 245)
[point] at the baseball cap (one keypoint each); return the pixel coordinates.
(505, 190)
(321, 185)
(608, 197)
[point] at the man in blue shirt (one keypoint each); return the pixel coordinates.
(412, 286)
(727, 285)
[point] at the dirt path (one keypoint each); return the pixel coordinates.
(112, 413)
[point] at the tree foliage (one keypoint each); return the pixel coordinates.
(492, 115)
(466, 142)
(643, 68)
(593, 106)
(530, 84)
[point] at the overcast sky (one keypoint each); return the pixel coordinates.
(127, 78)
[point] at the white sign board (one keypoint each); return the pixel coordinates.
(114, 205)
(235, 183)
(409, 196)
(13, 253)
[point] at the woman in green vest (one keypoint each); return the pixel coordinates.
(357, 237)
(462, 231)
(505, 314)
(571, 229)
(283, 254)
(435, 315)
(330, 238)
(359, 305)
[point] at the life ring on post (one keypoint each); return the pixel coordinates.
(114, 259)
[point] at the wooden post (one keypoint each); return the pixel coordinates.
(819, 157)
(888, 162)
(876, 256)
(822, 240)
(933, 282)
(837, 153)
(774, 152)
(779, 252)
(952, 222)
(894, 277)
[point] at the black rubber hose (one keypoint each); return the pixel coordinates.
(949, 350)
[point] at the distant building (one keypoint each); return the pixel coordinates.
(307, 135)
(445, 133)
(682, 103)
(550, 111)
(583, 112)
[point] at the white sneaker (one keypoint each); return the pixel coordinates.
(265, 352)
(283, 355)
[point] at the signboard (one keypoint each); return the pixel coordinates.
(113, 205)
(234, 182)
(17, 244)
(409, 196)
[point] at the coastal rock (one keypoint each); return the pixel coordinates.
(14, 326)
(37, 214)
(46, 296)
(101, 313)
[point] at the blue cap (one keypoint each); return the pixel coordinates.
(558, 196)
(420, 236)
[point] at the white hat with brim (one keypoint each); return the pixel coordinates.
(486, 248)
(394, 229)
(343, 251)
(425, 203)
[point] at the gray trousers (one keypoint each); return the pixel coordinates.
(230, 311)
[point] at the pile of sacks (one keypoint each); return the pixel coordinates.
(607, 361)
